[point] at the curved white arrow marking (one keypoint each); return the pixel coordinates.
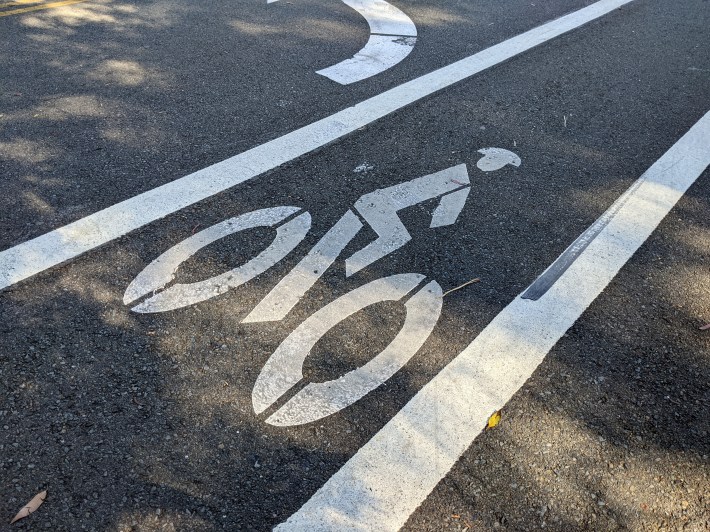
(392, 38)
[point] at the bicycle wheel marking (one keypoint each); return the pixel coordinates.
(162, 270)
(283, 370)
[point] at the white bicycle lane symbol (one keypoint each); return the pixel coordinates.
(284, 368)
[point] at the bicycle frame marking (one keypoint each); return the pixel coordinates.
(283, 370)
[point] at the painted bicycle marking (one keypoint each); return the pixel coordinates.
(283, 370)
(392, 38)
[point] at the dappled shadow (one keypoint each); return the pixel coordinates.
(108, 109)
(146, 421)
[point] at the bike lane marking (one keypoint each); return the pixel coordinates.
(284, 368)
(65, 243)
(392, 38)
(392, 474)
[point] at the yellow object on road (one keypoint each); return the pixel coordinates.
(36, 7)
(493, 420)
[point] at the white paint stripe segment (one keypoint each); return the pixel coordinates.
(388, 478)
(381, 53)
(383, 17)
(53, 248)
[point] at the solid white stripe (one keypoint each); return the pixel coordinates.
(65, 243)
(388, 478)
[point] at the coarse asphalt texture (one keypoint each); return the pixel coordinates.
(145, 421)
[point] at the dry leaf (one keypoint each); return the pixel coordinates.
(493, 420)
(705, 327)
(31, 506)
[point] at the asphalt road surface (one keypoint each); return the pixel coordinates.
(285, 335)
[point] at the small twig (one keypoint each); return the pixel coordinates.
(476, 280)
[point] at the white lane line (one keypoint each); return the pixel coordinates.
(388, 478)
(53, 248)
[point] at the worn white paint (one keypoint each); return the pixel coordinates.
(381, 52)
(363, 168)
(379, 209)
(384, 18)
(449, 208)
(287, 293)
(284, 369)
(392, 38)
(496, 158)
(162, 270)
(318, 400)
(388, 478)
(63, 244)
